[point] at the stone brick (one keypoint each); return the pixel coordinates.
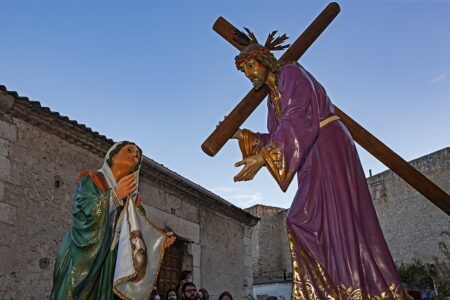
(6, 101)
(8, 131)
(196, 276)
(173, 203)
(151, 195)
(267, 246)
(196, 254)
(2, 191)
(8, 280)
(4, 147)
(5, 168)
(226, 243)
(189, 211)
(8, 213)
(184, 228)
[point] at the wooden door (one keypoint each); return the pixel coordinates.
(170, 269)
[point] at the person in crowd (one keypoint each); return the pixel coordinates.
(426, 295)
(203, 294)
(185, 276)
(225, 296)
(189, 291)
(171, 294)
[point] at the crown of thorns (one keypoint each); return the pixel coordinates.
(261, 53)
(272, 43)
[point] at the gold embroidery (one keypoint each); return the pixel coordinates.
(275, 100)
(278, 159)
(395, 292)
(250, 144)
(311, 282)
(99, 207)
(256, 143)
(277, 165)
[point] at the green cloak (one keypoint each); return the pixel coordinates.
(84, 268)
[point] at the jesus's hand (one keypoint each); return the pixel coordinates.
(238, 135)
(252, 166)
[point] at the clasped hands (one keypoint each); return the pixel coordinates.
(251, 164)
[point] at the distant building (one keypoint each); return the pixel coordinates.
(412, 224)
(272, 270)
(41, 155)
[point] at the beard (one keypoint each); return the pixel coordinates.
(259, 81)
(192, 296)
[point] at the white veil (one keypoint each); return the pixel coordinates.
(140, 243)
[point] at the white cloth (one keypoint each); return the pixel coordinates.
(128, 279)
(135, 271)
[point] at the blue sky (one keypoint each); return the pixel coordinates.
(155, 73)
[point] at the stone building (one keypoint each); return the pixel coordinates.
(271, 258)
(272, 270)
(411, 225)
(42, 153)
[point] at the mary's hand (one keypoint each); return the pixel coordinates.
(252, 164)
(126, 186)
(170, 239)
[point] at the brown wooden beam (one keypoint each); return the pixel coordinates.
(396, 163)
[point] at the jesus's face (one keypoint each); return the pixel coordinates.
(256, 72)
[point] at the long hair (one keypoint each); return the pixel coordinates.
(226, 293)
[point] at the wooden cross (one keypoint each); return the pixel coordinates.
(248, 104)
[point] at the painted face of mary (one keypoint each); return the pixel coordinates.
(127, 158)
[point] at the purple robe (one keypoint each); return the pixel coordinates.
(337, 246)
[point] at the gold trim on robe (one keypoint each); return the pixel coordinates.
(273, 156)
(277, 165)
(250, 145)
(309, 279)
(311, 282)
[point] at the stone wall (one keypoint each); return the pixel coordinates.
(411, 224)
(271, 258)
(225, 241)
(286, 254)
(38, 171)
